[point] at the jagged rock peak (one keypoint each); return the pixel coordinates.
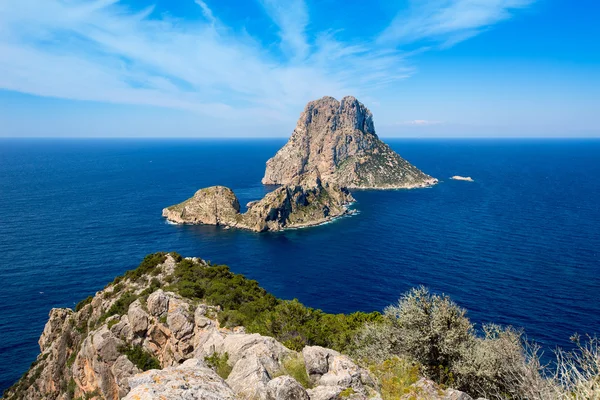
(338, 140)
(349, 113)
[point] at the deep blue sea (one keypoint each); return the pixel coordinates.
(519, 246)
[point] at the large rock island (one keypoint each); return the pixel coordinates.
(333, 148)
(303, 203)
(338, 139)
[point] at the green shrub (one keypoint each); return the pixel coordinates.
(84, 303)
(147, 266)
(244, 302)
(431, 329)
(294, 366)
(219, 363)
(71, 387)
(395, 376)
(140, 357)
(119, 307)
(71, 359)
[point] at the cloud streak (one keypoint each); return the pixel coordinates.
(104, 51)
(448, 21)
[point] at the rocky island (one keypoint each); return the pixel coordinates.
(462, 178)
(338, 139)
(333, 148)
(305, 202)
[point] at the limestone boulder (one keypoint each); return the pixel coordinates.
(192, 380)
(249, 378)
(285, 388)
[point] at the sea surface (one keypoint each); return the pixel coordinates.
(519, 246)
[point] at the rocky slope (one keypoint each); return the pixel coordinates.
(137, 324)
(302, 203)
(338, 139)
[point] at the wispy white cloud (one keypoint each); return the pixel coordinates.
(448, 21)
(206, 11)
(103, 51)
(291, 17)
(421, 122)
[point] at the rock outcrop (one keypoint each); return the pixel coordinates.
(100, 352)
(191, 380)
(338, 140)
(304, 202)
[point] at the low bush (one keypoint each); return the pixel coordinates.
(84, 303)
(294, 366)
(147, 266)
(140, 357)
(395, 376)
(219, 363)
(119, 307)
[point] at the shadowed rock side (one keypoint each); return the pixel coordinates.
(303, 203)
(101, 350)
(338, 140)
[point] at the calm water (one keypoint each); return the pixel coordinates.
(518, 246)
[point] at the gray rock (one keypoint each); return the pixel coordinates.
(343, 372)
(138, 318)
(190, 381)
(179, 319)
(105, 344)
(122, 370)
(325, 392)
(158, 303)
(316, 359)
(269, 351)
(249, 378)
(285, 388)
(54, 326)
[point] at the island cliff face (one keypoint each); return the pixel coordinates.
(338, 140)
(305, 202)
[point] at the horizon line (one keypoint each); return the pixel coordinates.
(287, 137)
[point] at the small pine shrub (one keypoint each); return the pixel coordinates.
(147, 266)
(219, 363)
(119, 307)
(140, 357)
(83, 303)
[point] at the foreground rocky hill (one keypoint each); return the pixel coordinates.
(338, 139)
(303, 203)
(167, 330)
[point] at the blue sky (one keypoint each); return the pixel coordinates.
(208, 68)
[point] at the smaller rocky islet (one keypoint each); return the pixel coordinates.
(305, 203)
(333, 148)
